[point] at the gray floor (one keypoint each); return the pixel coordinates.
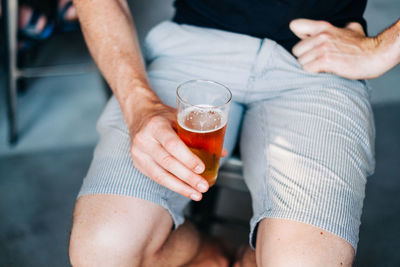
(39, 178)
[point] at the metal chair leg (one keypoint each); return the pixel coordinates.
(10, 13)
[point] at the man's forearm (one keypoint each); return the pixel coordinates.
(111, 37)
(389, 45)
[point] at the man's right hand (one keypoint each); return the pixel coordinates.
(159, 153)
(156, 149)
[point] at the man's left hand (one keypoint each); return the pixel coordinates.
(346, 52)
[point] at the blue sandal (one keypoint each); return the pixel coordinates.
(64, 25)
(29, 36)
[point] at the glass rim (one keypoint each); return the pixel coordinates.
(206, 81)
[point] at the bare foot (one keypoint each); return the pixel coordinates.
(246, 257)
(211, 254)
(24, 16)
(70, 14)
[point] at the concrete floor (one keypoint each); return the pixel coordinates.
(41, 175)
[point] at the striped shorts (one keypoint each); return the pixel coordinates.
(306, 140)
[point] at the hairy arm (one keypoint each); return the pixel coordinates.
(346, 51)
(388, 43)
(111, 37)
(156, 149)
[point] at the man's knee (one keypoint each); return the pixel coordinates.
(288, 243)
(101, 246)
(108, 231)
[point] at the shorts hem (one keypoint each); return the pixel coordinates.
(305, 218)
(154, 198)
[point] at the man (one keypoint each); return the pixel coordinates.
(306, 139)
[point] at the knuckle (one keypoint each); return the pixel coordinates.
(326, 58)
(186, 191)
(324, 36)
(171, 144)
(325, 47)
(295, 50)
(191, 179)
(152, 120)
(159, 178)
(326, 24)
(154, 123)
(139, 139)
(133, 153)
(136, 161)
(191, 162)
(139, 167)
(167, 160)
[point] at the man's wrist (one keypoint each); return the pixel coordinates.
(140, 101)
(389, 46)
(397, 24)
(396, 46)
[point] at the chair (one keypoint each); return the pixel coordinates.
(203, 213)
(13, 73)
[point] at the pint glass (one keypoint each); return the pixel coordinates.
(203, 108)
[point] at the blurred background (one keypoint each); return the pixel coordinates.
(40, 174)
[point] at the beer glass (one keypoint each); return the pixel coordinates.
(203, 108)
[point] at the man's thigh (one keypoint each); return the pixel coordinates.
(112, 171)
(307, 154)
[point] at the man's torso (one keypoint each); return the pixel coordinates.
(266, 18)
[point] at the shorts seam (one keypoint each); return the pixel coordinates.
(267, 157)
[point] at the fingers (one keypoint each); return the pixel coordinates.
(172, 165)
(304, 28)
(177, 148)
(311, 54)
(326, 58)
(309, 43)
(316, 53)
(325, 62)
(150, 168)
(159, 153)
(326, 48)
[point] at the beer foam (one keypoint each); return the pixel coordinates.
(202, 120)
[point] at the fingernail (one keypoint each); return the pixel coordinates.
(199, 169)
(202, 187)
(195, 197)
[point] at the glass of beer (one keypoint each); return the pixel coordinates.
(203, 108)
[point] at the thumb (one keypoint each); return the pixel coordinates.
(304, 28)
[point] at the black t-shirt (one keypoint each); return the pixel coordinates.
(267, 18)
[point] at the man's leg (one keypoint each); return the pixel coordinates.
(111, 230)
(283, 242)
(123, 218)
(306, 157)
(289, 242)
(108, 232)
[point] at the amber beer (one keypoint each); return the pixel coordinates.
(203, 108)
(203, 131)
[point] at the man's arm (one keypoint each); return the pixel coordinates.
(345, 51)
(156, 149)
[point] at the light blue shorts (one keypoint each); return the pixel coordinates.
(306, 141)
